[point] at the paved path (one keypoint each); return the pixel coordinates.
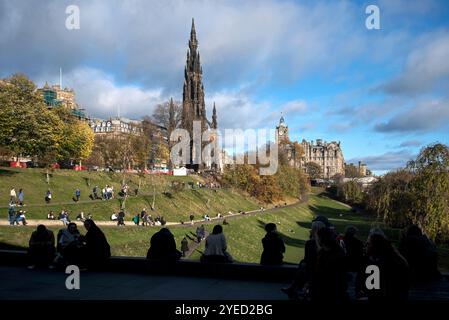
(21, 283)
(35, 222)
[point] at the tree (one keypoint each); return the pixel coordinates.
(313, 170)
(168, 115)
(430, 188)
(351, 171)
(27, 127)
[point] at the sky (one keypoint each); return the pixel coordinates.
(383, 93)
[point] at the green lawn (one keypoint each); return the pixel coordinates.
(243, 234)
(174, 206)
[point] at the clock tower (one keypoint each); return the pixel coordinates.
(282, 130)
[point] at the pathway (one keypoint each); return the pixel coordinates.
(35, 222)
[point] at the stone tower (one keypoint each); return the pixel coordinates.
(193, 107)
(282, 130)
(214, 124)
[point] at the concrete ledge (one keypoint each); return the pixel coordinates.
(244, 271)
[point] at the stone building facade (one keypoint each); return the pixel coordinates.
(115, 126)
(55, 96)
(328, 155)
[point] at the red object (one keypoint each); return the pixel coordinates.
(17, 164)
(55, 166)
(79, 168)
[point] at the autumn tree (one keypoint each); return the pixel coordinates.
(430, 188)
(313, 170)
(27, 127)
(77, 137)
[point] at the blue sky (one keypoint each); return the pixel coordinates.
(382, 93)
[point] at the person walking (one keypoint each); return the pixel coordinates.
(48, 196)
(184, 246)
(12, 195)
(77, 194)
(11, 214)
(20, 197)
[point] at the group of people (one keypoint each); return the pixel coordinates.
(16, 198)
(64, 216)
(107, 193)
(332, 261)
(86, 251)
(16, 217)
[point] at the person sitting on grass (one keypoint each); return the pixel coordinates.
(136, 219)
(41, 251)
(163, 247)
(215, 248)
(20, 217)
(51, 216)
(80, 217)
(273, 246)
(121, 218)
(96, 249)
(64, 217)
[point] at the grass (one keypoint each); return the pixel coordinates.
(244, 233)
(174, 206)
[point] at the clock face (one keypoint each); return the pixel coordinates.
(281, 133)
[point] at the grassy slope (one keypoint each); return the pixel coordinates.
(244, 233)
(174, 208)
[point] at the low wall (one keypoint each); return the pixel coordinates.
(243, 271)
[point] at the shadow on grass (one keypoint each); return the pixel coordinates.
(363, 228)
(8, 246)
(7, 173)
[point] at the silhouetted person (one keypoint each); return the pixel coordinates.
(121, 218)
(420, 253)
(307, 264)
(354, 249)
(69, 244)
(41, 249)
(329, 277)
(200, 233)
(215, 248)
(184, 246)
(273, 246)
(393, 268)
(163, 247)
(96, 247)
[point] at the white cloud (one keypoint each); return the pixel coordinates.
(101, 96)
(426, 68)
